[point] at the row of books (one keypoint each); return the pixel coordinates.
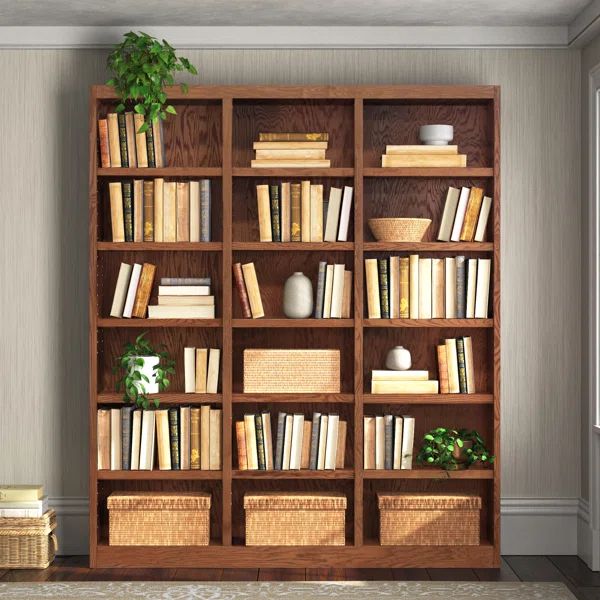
(403, 382)
(298, 212)
(246, 283)
(181, 438)
(334, 292)
(132, 290)
(184, 301)
(465, 216)
(22, 501)
(121, 144)
(456, 366)
(388, 442)
(201, 370)
(422, 156)
(291, 150)
(160, 211)
(317, 444)
(410, 287)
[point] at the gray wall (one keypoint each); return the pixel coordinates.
(43, 299)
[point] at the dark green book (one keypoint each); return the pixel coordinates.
(150, 147)
(260, 442)
(174, 437)
(126, 421)
(275, 212)
(462, 366)
(384, 296)
(123, 140)
(128, 210)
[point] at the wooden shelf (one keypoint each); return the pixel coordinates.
(165, 398)
(455, 172)
(292, 323)
(428, 398)
(429, 474)
(293, 398)
(143, 323)
(428, 246)
(160, 246)
(336, 474)
(294, 246)
(297, 173)
(455, 323)
(161, 172)
(159, 475)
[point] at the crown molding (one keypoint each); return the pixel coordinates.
(586, 25)
(292, 37)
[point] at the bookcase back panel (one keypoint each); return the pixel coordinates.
(399, 122)
(336, 117)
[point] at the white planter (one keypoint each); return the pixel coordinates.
(147, 369)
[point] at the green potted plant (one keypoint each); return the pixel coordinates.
(142, 66)
(453, 449)
(143, 370)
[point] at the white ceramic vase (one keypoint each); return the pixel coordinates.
(298, 297)
(398, 359)
(147, 369)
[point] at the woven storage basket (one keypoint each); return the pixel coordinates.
(291, 371)
(28, 543)
(295, 519)
(158, 519)
(428, 519)
(399, 229)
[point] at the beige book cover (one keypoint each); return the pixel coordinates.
(201, 370)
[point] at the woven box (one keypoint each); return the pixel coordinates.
(158, 519)
(428, 519)
(291, 371)
(28, 543)
(295, 519)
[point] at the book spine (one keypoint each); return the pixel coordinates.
(296, 192)
(384, 296)
(144, 289)
(195, 438)
(113, 139)
(205, 210)
(275, 213)
(260, 442)
(279, 441)
(461, 303)
(128, 210)
(389, 441)
(123, 140)
(240, 438)
(126, 417)
(174, 437)
(103, 140)
(443, 369)
(148, 211)
(185, 281)
(372, 280)
(314, 442)
(130, 130)
(238, 278)
(150, 146)
(404, 288)
(462, 367)
(293, 137)
(320, 290)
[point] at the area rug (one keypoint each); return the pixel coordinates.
(350, 590)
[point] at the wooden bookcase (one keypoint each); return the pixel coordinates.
(212, 137)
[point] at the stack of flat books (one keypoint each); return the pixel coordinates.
(422, 156)
(291, 150)
(402, 382)
(183, 298)
(22, 501)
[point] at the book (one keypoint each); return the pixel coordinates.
(388, 423)
(240, 286)
(469, 364)
(184, 438)
(103, 141)
(260, 442)
(425, 288)
(379, 442)
(452, 366)
(293, 137)
(278, 457)
(408, 439)
(467, 231)
(122, 139)
(24, 513)
(287, 442)
(130, 135)
(397, 443)
(305, 211)
(394, 286)
(320, 295)
(103, 438)
(118, 303)
(347, 296)
(438, 299)
(337, 292)
(369, 442)
(195, 211)
(205, 440)
(484, 266)
(482, 220)
(141, 148)
(340, 452)
(345, 214)
(448, 215)
(170, 211)
(147, 440)
(322, 444)
(205, 210)
(268, 437)
(331, 442)
(442, 368)
(316, 213)
(459, 218)
(115, 440)
(328, 293)
(306, 443)
(450, 287)
(136, 435)
(126, 422)
(289, 145)
(296, 212)
(195, 438)
(240, 440)
(253, 290)
(290, 163)
(274, 210)
(132, 290)
(296, 444)
(14, 493)
(471, 280)
(285, 215)
(150, 146)
(144, 289)
(314, 441)
(117, 221)
(190, 364)
(333, 214)
(400, 267)
(251, 442)
(159, 146)
(384, 297)
(174, 438)
(290, 153)
(183, 290)
(410, 375)
(420, 149)
(113, 139)
(462, 367)
(413, 288)
(138, 210)
(424, 160)
(212, 376)
(461, 289)
(372, 280)
(181, 312)
(163, 440)
(182, 191)
(405, 387)
(181, 281)
(128, 210)
(186, 300)
(215, 425)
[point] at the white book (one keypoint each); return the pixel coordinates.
(322, 448)
(185, 422)
(379, 442)
(212, 377)
(147, 440)
(384, 375)
(448, 215)
(424, 288)
(331, 443)
(337, 292)
(394, 287)
(189, 370)
(333, 214)
(316, 213)
(287, 443)
(484, 267)
(296, 446)
(136, 438)
(450, 287)
(460, 214)
(484, 213)
(184, 290)
(327, 296)
(181, 312)
(116, 457)
(345, 214)
(251, 445)
(118, 303)
(268, 440)
(452, 361)
(194, 211)
(408, 438)
(397, 455)
(471, 287)
(285, 211)
(133, 285)
(24, 509)
(413, 298)
(437, 289)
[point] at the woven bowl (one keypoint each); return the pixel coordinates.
(399, 229)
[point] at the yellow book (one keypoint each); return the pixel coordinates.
(372, 277)
(215, 425)
(264, 213)
(285, 216)
(195, 438)
(113, 140)
(116, 211)
(290, 153)
(316, 213)
(413, 302)
(140, 141)
(296, 212)
(162, 440)
(305, 211)
(290, 145)
(158, 209)
(404, 288)
(169, 212)
(410, 375)
(205, 437)
(452, 365)
(22, 493)
(420, 149)
(253, 290)
(183, 211)
(201, 369)
(394, 287)
(424, 160)
(467, 232)
(290, 163)
(404, 387)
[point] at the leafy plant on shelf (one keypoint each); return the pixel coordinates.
(142, 66)
(453, 449)
(131, 364)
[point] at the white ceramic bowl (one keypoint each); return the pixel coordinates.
(436, 135)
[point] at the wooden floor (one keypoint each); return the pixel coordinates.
(573, 572)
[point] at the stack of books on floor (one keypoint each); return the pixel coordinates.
(201, 370)
(246, 284)
(317, 444)
(456, 366)
(121, 144)
(388, 442)
(291, 150)
(422, 156)
(132, 290)
(299, 212)
(22, 501)
(160, 211)
(183, 298)
(182, 438)
(334, 292)
(466, 214)
(402, 382)
(410, 287)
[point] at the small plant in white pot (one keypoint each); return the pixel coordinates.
(144, 371)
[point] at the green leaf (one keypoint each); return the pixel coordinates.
(140, 109)
(170, 109)
(156, 402)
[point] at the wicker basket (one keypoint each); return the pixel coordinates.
(428, 519)
(28, 543)
(291, 371)
(295, 519)
(159, 519)
(399, 229)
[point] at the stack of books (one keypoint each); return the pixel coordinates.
(300, 443)
(185, 438)
(423, 156)
(388, 442)
(132, 290)
(246, 283)
(410, 287)
(456, 366)
(160, 211)
(466, 214)
(299, 212)
(122, 146)
(334, 292)
(201, 370)
(291, 150)
(22, 501)
(183, 298)
(402, 382)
